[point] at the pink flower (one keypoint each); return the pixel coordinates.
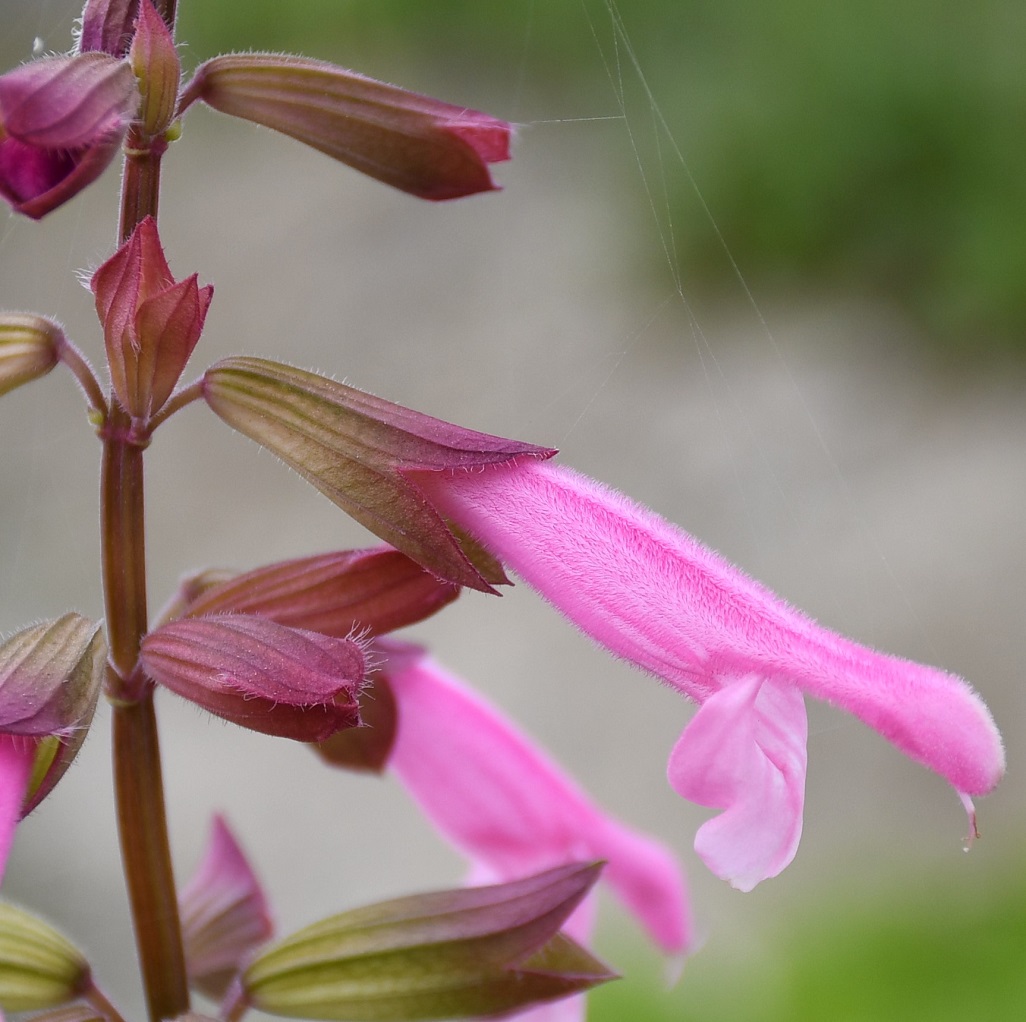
(506, 806)
(653, 595)
(61, 123)
(17, 755)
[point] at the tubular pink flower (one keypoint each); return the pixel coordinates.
(506, 806)
(653, 595)
(61, 122)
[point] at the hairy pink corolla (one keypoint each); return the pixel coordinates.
(655, 596)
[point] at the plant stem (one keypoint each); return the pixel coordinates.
(138, 784)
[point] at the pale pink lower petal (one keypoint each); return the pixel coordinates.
(506, 806)
(744, 752)
(16, 757)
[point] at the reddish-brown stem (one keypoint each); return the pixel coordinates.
(140, 182)
(138, 785)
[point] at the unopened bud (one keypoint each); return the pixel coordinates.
(29, 348)
(260, 675)
(38, 967)
(156, 65)
(468, 953)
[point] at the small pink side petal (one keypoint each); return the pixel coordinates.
(744, 752)
(16, 758)
(223, 907)
(503, 803)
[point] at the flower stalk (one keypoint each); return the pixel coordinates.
(138, 782)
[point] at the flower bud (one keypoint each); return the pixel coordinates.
(359, 450)
(61, 122)
(50, 679)
(107, 26)
(29, 348)
(422, 146)
(468, 953)
(364, 591)
(156, 65)
(261, 675)
(151, 324)
(38, 967)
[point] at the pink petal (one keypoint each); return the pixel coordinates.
(16, 758)
(224, 912)
(500, 800)
(744, 753)
(652, 594)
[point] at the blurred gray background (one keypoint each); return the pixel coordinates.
(810, 433)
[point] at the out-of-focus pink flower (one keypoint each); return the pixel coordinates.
(17, 755)
(510, 810)
(150, 323)
(61, 122)
(50, 677)
(653, 595)
(224, 913)
(430, 149)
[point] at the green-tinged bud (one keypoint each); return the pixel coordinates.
(156, 65)
(38, 967)
(50, 678)
(467, 953)
(29, 348)
(359, 451)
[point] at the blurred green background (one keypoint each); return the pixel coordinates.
(873, 148)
